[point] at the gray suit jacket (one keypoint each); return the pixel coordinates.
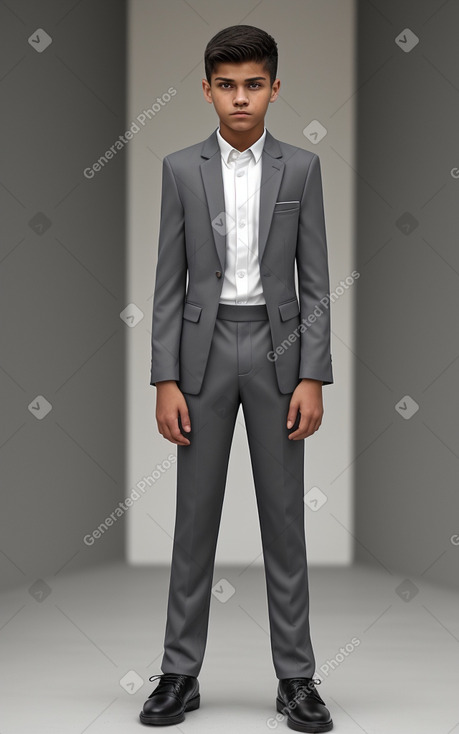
(192, 243)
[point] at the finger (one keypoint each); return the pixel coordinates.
(176, 434)
(185, 418)
(307, 427)
(292, 414)
(304, 429)
(166, 428)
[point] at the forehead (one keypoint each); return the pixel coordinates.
(240, 71)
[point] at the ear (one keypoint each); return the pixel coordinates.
(275, 90)
(207, 91)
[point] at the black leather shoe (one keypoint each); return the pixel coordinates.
(298, 699)
(174, 694)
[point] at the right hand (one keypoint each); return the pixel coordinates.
(170, 404)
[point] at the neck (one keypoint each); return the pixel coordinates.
(244, 139)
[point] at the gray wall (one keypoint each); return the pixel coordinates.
(406, 469)
(62, 287)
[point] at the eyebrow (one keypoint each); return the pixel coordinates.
(252, 79)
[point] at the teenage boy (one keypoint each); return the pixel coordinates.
(237, 211)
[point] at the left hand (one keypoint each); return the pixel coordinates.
(307, 399)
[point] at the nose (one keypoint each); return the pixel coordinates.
(240, 96)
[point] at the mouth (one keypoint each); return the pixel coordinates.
(240, 114)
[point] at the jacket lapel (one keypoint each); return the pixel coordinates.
(272, 170)
(271, 177)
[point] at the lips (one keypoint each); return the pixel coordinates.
(240, 114)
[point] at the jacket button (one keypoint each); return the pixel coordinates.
(267, 274)
(218, 273)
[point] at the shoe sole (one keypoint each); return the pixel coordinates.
(311, 728)
(190, 705)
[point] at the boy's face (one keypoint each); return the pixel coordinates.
(243, 87)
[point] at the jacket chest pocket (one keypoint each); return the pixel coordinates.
(286, 207)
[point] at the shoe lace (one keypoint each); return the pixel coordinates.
(172, 681)
(306, 686)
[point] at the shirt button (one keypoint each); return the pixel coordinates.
(242, 223)
(240, 273)
(240, 173)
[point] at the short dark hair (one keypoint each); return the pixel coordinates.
(239, 43)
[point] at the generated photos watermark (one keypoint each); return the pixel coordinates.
(307, 321)
(133, 129)
(134, 495)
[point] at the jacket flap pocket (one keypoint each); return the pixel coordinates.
(289, 309)
(191, 311)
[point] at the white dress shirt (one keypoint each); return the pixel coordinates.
(241, 173)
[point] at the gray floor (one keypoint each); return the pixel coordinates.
(76, 653)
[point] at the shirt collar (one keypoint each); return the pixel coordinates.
(256, 148)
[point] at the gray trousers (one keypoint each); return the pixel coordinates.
(238, 371)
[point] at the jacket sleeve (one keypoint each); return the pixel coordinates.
(170, 283)
(313, 281)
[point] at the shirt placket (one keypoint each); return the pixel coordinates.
(242, 227)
